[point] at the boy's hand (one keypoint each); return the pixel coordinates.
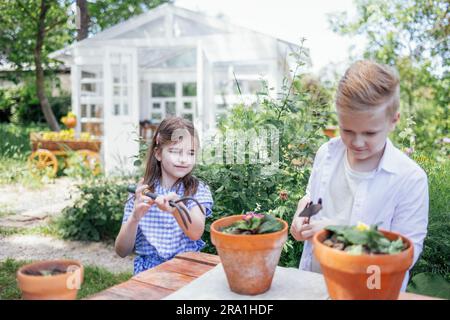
(141, 203)
(163, 202)
(301, 231)
(307, 231)
(297, 226)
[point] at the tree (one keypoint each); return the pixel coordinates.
(82, 19)
(107, 13)
(412, 35)
(29, 30)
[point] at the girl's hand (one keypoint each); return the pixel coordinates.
(163, 202)
(141, 203)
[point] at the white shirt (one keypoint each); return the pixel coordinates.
(394, 196)
(340, 195)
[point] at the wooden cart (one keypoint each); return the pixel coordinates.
(44, 153)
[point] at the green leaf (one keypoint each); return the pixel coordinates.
(430, 284)
(270, 226)
(355, 250)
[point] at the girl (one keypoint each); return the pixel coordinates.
(153, 228)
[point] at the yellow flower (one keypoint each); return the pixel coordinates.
(362, 226)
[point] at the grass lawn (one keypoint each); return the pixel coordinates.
(96, 279)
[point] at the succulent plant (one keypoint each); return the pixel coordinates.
(254, 223)
(362, 239)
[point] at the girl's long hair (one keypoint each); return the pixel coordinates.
(164, 136)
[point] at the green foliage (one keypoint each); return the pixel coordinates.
(254, 223)
(435, 256)
(108, 13)
(21, 105)
(96, 279)
(18, 31)
(98, 213)
(430, 284)
(14, 150)
(238, 187)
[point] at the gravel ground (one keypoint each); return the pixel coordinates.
(24, 208)
(36, 247)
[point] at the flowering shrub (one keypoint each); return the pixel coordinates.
(241, 187)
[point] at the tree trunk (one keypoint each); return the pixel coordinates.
(83, 19)
(40, 80)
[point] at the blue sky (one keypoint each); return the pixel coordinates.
(289, 20)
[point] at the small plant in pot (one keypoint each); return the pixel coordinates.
(50, 280)
(362, 262)
(249, 247)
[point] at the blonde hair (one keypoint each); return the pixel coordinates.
(367, 85)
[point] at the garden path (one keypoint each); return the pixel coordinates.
(25, 209)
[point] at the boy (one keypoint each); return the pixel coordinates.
(361, 175)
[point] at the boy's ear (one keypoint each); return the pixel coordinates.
(395, 120)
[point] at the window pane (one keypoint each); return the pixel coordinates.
(115, 69)
(88, 88)
(163, 89)
(221, 106)
(190, 89)
(187, 105)
(83, 110)
(156, 116)
(171, 108)
(124, 91)
(116, 90)
(96, 129)
(188, 116)
(156, 105)
(93, 109)
(125, 109)
(116, 110)
(98, 110)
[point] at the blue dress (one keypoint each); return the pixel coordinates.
(159, 237)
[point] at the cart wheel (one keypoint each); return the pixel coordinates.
(42, 159)
(91, 160)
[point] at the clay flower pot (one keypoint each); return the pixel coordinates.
(366, 276)
(63, 284)
(70, 122)
(249, 261)
(330, 131)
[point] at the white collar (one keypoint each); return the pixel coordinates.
(387, 163)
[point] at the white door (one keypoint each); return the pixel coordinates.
(121, 110)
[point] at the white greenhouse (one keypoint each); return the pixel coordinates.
(167, 61)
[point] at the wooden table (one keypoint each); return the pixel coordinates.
(159, 282)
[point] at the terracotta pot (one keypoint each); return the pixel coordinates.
(70, 122)
(330, 132)
(62, 286)
(249, 261)
(375, 276)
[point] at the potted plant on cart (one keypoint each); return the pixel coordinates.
(249, 247)
(362, 262)
(50, 280)
(70, 120)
